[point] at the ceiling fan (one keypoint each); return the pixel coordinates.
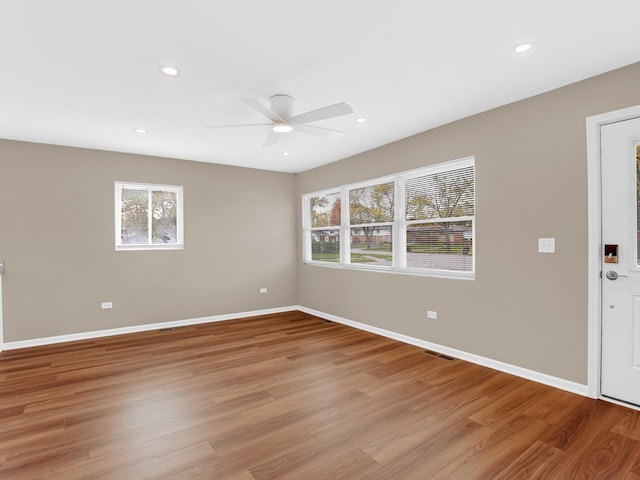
(282, 121)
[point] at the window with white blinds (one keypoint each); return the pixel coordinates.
(420, 222)
(148, 217)
(439, 215)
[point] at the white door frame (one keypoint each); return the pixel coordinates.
(595, 240)
(1, 320)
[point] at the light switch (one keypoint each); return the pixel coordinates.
(546, 245)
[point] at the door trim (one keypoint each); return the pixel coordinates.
(594, 205)
(1, 319)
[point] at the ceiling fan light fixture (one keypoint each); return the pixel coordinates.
(169, 71)
(282, 128)
(522, 48)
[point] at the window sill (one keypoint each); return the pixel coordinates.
(129, 248)
(448, 274)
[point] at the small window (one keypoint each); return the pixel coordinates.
(148, 217)
(325, 213)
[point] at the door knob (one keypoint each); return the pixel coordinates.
(613, 275)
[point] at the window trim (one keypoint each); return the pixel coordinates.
(399, 225)
(178, 189)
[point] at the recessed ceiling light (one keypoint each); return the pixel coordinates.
(141, 131)
(170, 71)
(282, 128)
(523, 47)
(285, 154)
(361, 119)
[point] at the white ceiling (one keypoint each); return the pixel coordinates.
(86, 72)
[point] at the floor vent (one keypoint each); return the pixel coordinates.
(439, 355)
(170, 329)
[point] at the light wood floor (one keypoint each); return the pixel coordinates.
(290, 396)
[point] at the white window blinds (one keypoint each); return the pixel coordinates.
(446, 194)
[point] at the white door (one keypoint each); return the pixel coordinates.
(620, 156)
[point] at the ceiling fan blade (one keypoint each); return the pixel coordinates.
(321, 114)
(258, 107)
(241, 125)
(272, 139)
(319, 131)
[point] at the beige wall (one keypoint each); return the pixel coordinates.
(57, 238)
(524, 308)
(242, 231)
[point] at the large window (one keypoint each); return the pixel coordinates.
(420, 222)
(148, 217)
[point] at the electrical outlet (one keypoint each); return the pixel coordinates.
(106, 305)
(432, 314)
(263, 290)
(546, 245)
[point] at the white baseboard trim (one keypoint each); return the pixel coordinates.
(37, 342)
(543, 378)
(469, 357)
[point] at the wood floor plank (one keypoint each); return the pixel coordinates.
(347, 465)
(424, 459)
(291, 396)
(581, 425)
(167, 466)
(495, 452)
(606, 457)
(431, 429)
(628, 424)
(510, 405)
(36, 462)
(144, 452)
(538, 462)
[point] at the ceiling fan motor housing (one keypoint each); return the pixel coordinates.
(282, 105)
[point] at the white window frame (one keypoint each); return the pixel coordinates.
(149, 187)
(346, 223)
(309, 229)
(399, 225)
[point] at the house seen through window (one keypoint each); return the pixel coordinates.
(421, 222)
